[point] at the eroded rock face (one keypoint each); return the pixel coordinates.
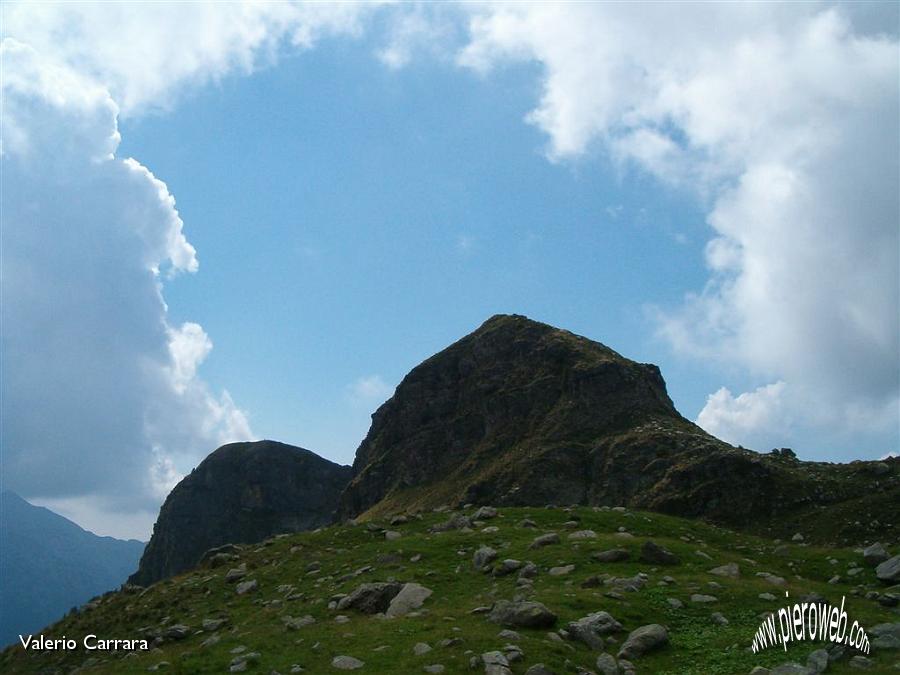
(241, 493)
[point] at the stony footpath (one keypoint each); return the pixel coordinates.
(503, 591)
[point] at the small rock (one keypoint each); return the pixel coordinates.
(522, 614)
(392, 535)
(889, 570)
(545, 540)
(699, 597)
(247, 587)
(370, 598)
(606, 665)
(675, 603)
(507, 634)
(583, 534)
(483, 557)
(485, 513)
(731, 570)
(421, 648)
(508, 566)
(612, 555)
(642, 640)
(719, 619)
(797, 537)
(817, 661)
(875, 554)
(861, 662)
(654, 554)
(560, 571)
(539, 669)
(346, 663)
(411, 597)
(434, 668)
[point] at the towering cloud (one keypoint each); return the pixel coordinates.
(784, 118)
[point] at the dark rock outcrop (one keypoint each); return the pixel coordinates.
(241, 493)
(522, 413)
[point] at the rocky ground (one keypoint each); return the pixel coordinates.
(509, 590)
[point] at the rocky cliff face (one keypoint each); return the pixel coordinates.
(241, 493)
(522, 413)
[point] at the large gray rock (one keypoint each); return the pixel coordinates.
(242, 493)
(346, 663)
(410, 598)
(731, 570)
(483, 557)
(875, 554)
(612, 555)
(606, 665)
(589, 629)
(545, 540)
(642, 640)
(889, 570)
(521, 614)
(654, 554)
(370, 598)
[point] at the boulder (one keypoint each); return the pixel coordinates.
(521, 614)
(642, 640)
(410, 598)
(370, 598)
(654, 554)
(889, 570)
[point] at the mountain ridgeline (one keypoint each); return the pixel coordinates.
(48, 565)
(520, 413)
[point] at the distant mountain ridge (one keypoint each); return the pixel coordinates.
(241, 493)
(48, 565)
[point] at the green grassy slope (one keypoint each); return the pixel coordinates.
(284, 567)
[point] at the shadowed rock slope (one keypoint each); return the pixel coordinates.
(241, 493)
(522, 413)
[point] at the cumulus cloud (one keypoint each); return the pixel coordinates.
(146, 53)
(751, 416)
(101, 403)
(784, 119)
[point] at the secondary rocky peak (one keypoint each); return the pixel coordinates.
(241, 493)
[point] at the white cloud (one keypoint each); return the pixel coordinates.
(369, 389)
(752, 419)
(102, 405)
(145, 53)
(784, 118)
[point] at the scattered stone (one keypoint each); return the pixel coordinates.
(455, 522)
(247, 587)
(606, 665)
(342, 618)
(612, 555)
(292, 623)
(485, 513)
(797, 537)
(236, 573)
(539, 669)
(731, 570)
(522, 614)
(421, 648)
(790, 668)
(527, 522)
(583, 534)
(861, 662)
(434, 668)
(654, 554)
(675, 603)
(177, 631)
(529, 571)
(642, 640)
(766, 596)
(719, 619)
(483, 558)
(817, 661)
(411, 597)
(560, 571)
(875, 554)
(371, 598)
(889, 570)
(508, 566)
(589, 629)
(392, 535)
(545, 540)
(346, 663)
(699, 597)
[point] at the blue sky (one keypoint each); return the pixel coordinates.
(246, 220)
(351, 231)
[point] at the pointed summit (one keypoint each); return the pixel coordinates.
(517, 412)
